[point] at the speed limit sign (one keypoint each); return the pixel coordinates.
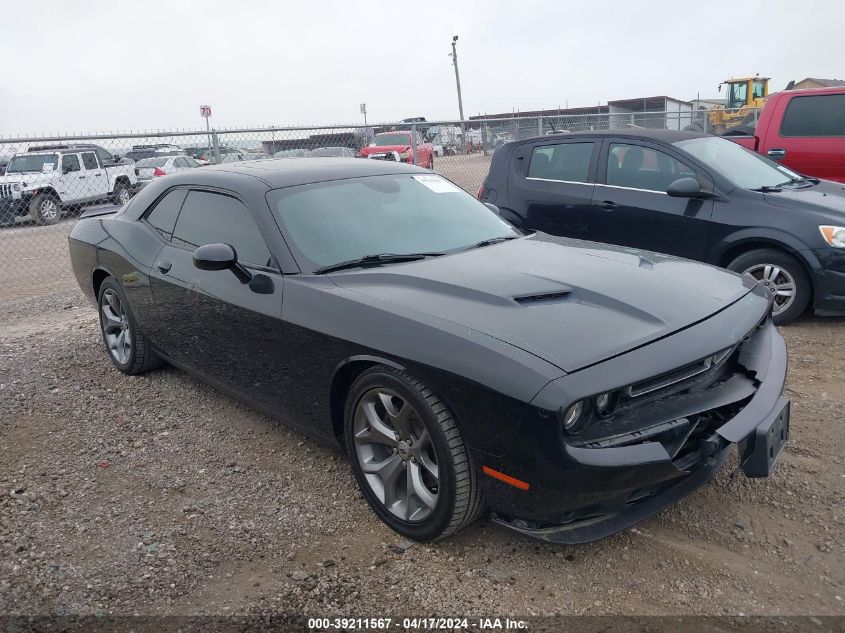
(205, 110)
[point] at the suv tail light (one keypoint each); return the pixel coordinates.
(158, 172)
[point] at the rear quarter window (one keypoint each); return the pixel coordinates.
(163, 215)
(814, 115)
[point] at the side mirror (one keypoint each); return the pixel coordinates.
(493, 208)
(220, 257)
(686, 188)
(116, 158)
(66, 171)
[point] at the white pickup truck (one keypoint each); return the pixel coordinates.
(49, 182)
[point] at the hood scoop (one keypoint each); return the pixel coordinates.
(544, 297)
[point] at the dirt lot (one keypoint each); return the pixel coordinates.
(158, 495)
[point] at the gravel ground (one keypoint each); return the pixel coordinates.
(158, 495)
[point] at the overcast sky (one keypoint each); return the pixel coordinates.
(88, 66)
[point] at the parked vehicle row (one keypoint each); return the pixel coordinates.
(682, 193)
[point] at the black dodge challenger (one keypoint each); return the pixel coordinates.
(568, 387)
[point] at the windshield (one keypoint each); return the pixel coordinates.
(337, 221)
(151, 162)
(391, 139)
(32, 162)
(741, 166)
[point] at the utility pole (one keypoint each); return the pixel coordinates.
(458, 84)
(457, 76)
(364, 112)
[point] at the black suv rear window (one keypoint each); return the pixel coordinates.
(562, 161)
(814, 115)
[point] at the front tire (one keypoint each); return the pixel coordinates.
(408, 456)
(44, 208)
(783, 276)
(127, 347)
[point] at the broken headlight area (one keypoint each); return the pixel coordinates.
(681, 409)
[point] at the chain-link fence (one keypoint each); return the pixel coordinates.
(47, 182)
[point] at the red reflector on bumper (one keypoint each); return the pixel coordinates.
(513, 481)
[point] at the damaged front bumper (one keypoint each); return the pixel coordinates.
(625, 480)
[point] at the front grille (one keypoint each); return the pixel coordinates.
(5, 190)
(681, 376)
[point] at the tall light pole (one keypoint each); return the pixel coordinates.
(458, 84)
(457, 76)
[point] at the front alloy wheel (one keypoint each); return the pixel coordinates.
(44, 209)
(783, 276)
(408, 456)
(396, 455)
(778, 281)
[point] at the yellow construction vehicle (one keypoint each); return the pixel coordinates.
(742, 99)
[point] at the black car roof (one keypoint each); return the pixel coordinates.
(665, 136)
(287, 172)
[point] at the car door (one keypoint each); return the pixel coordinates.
(96, 177)
(211, 321)
(631, 206)
(72, 181)
(552, 185)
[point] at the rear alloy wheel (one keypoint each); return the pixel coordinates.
(782, 276)
(126, 345)
(121, 194)
(408, 456)
(44, 208)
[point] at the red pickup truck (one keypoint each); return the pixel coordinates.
(399, 147)
(804, 130)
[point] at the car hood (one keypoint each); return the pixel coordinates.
(569, 302)
(27, 176)
(827, 195)
(381, 149)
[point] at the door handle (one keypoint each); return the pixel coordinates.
(608, 205)
(82, 177)
(163, 266)
(776, 153)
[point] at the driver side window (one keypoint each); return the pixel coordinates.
(214, 218)
(70, 162)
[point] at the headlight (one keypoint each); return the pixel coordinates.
(405, 155)
(833, 235)
(605, 403)
(16, 186)
(576, 418)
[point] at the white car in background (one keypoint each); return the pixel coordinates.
(237, 157)
(149, 168)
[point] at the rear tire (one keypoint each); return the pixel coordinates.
(782, 274)
(127, 347)
(397, 476)
(44, 208)
(121, 194)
